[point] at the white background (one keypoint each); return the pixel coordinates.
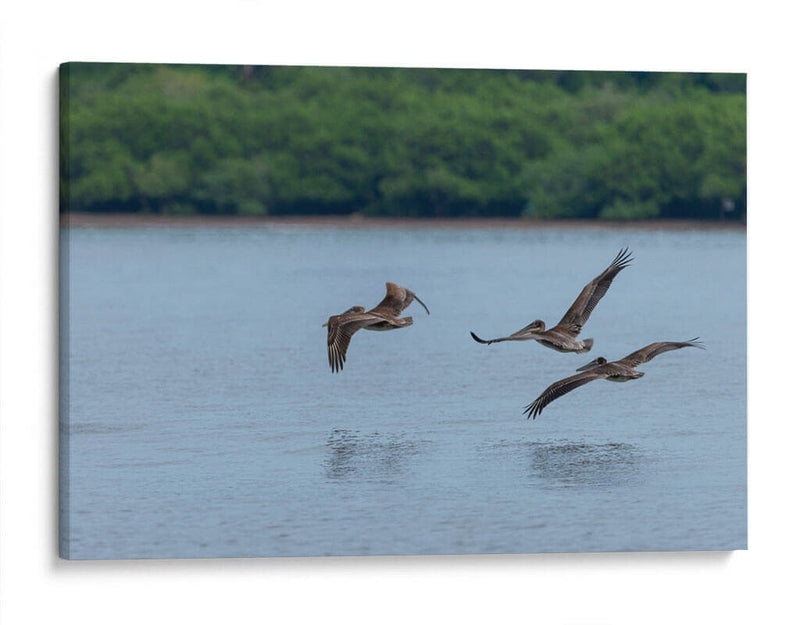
(752, 586)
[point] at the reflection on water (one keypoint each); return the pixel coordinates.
(560, 463)
(351, 454)
(584, 464)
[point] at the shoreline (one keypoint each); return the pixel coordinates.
(136, 220)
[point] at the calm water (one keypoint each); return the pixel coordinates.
(203, 419)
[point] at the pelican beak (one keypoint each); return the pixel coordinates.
(423, 304)
(325, 324)
(591, 365)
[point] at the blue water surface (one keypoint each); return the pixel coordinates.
(200, 417)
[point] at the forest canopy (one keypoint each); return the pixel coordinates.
(275, 140)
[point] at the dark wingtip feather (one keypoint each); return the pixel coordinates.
(623, 259)
(478, 339)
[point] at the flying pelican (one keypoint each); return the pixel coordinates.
(563, 336)
(381, 318)
(600, 369)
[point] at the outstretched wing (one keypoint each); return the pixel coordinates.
(578, 313)
(397, 299)
(562, 387)
(524, 334)
(340, 330)
(654, 349)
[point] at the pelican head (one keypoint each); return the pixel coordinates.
(537, 327)
(597, 362)
(352, 309)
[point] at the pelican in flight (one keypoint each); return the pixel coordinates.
(600, 369)
(563, 336)
(383, 317)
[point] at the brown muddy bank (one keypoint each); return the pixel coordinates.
(122, 220)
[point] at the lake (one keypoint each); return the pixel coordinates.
(200, 417)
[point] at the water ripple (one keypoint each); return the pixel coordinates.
(349, 453)
(585, 464)
(572, 463)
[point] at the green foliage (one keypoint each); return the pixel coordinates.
(414, 142)
(234, 185)
(675, 158)
(622, 209)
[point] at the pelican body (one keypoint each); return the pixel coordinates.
(622, 370)
(563, 337)
(384, 317)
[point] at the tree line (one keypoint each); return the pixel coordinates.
(253, 140)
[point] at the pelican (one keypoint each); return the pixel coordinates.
(381, 318)
(563, 336)
(600, 369)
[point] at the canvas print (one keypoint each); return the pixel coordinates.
(314, 311)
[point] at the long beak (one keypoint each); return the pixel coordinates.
(591, 365)
(423, 304)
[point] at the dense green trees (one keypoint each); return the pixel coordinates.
(409, 142)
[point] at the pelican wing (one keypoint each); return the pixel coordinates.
(578, 313)
(340, 330)
(647, 354)
(520, 335)
(396, 301)
(562, 387)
